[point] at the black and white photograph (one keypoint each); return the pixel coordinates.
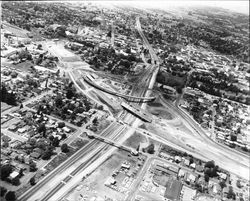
(140, 100)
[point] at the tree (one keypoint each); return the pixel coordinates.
(15, 181)
(14, 74)
(233, 137)
(191, 160)
(138, 147)
(150, 149)
(65, 148)
(100, 107)
(70, 94)
(46, 155)
(51, 138)
(2, 191)
(41, 128)
(3, 93)
(231, 194)
(39, 47)
(222, 184)
(206, 178)
(32, 181)
(21, 172)
(64, 136)
(42, 144)
(32, 165)
(5, 171)
(109, 34)
(32, 141)
(10, 196)
(11, 99)
(95, 121)
(55, 142)
(61, 124)
(210, 164)
(238, 184)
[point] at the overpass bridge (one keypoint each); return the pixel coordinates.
(129, 98)
(113, 143)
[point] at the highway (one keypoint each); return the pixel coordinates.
(92, 157)
(115, 136)
(72, 161)
(112, 35)
(67, 171)
(229, 159)
(126, 97)
(232, 160)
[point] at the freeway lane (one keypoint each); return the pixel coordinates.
(91, 158)
(196, 126)
(126, 115)
(231, 160)
(61, 184)
(66, 165)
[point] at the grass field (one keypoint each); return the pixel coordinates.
(78, 143)
(5, 106)
(135, 140)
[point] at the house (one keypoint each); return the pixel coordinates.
(193, 165)
(125, 165)
(38, 150)
(177, 159)
(35, 155)
(22, 130)
(181, 173)
(110, 181)
(186, 162)
(164, 155)
(225, 191)
(216, 188)
(199, 168)
(12, 128)
(222, 175)
(66, 129)
(190, 178)
(13, 175)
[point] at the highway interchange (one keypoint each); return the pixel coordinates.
(69, 170)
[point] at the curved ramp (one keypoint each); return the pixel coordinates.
(126, 97)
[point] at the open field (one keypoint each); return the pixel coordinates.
(94, 185)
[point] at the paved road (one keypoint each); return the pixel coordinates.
(49, 182)
(231, 160)
(234, 162)
(14, 135)
(113, 134)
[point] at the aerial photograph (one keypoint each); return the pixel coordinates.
(125, 101)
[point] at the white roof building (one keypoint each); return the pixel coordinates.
(14, 174)
(66, 129)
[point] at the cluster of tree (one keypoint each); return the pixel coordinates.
(215, 39)
(6, 170)
(9, 98)
(150, 149)
(231, 194)
(166, 78)
(8, 195)
(54, 15)
(210, 170)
